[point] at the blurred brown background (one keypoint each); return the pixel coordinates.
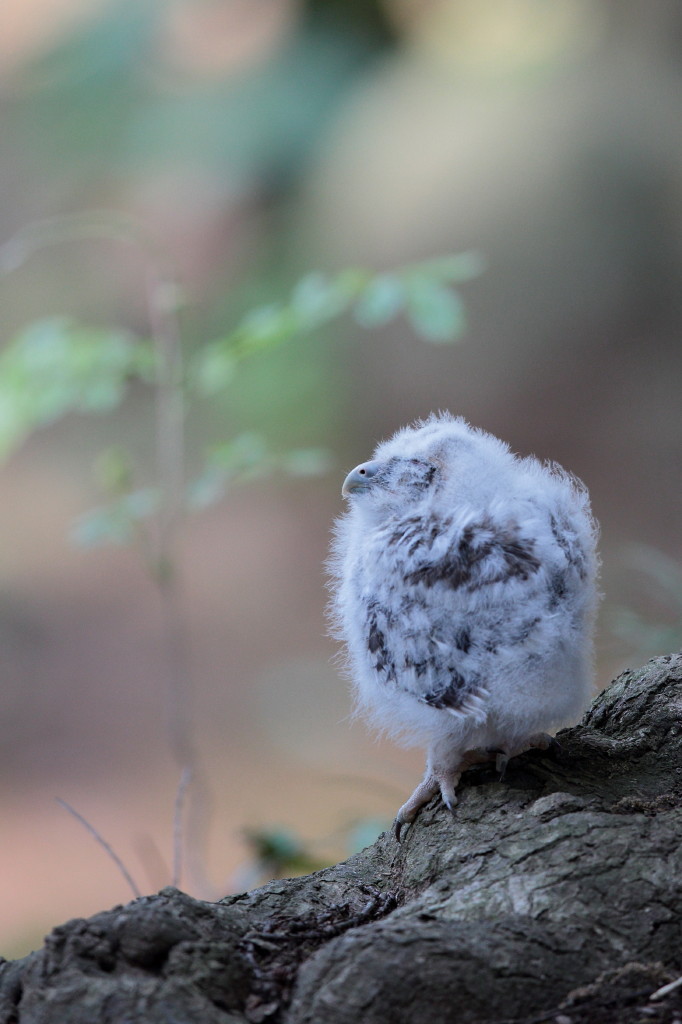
(254, 140)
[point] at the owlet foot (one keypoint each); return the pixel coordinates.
(426, 789)
(437, 779)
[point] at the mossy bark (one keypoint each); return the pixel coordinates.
(555, 895)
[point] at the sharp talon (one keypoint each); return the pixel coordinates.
(427, 788)
(451, 807)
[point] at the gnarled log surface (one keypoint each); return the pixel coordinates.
(555, 895)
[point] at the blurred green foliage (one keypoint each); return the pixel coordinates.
(104, 103)
(56, 367)
(661, 584)
(110, 114)
(278, 852)
(107, 115)
(248, 457)
(421, 291)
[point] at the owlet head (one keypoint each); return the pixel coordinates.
(392, 478)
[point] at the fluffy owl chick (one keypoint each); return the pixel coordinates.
(464, 582)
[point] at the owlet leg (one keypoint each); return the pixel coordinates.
(441, 777)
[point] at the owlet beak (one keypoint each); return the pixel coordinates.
(360, 478)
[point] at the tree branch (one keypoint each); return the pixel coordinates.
(552, 896)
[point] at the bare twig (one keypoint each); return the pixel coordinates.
(179, 806)
(162, 559)
(665, 990)
(108, 849)
(70, 227)
(165, 566)
(170, 447)
(154, 864)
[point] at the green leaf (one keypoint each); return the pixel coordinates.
(306, 462)
(274, 844)
(317, 299)
(245, 457)
(435, 311)
(207, 489)
(456, 268)
(313, 298)
(350, 281)
(267, 327)
(116, 523)
(114, 470)
(248, 457)
(100, 526)
(55, 367)
(382, 299)
(264, 322)
(213, 367)
(246, 452)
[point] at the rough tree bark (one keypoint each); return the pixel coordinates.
(554, 896)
